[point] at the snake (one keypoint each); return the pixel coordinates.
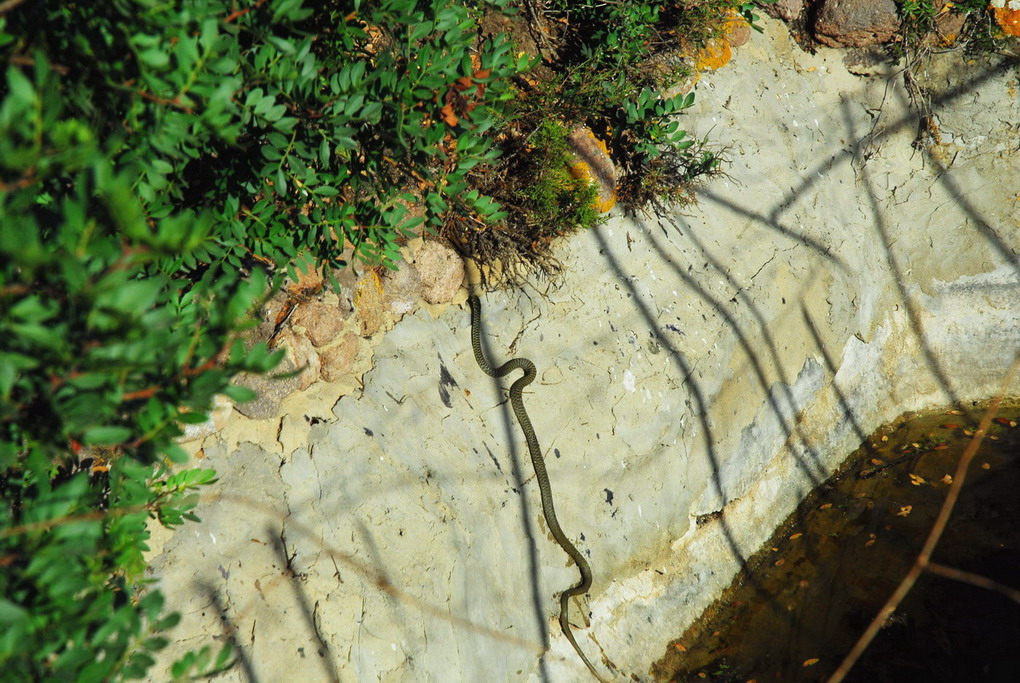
(541, 475)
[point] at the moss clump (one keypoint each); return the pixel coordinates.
(559, 202)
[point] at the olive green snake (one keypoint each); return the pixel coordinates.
(538, 463)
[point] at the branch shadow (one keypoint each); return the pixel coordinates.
(324, 650)
(808, 463)
(229, 629)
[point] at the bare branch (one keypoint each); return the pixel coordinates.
(6, 7)
(974, 579)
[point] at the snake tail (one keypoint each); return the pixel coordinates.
(541, 475)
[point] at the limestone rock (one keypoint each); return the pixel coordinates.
(270, 391)
(369, 304)
(336, 360)
(320, 321)
(301, 352)
(856, 23)
(402, 289)
(441, 272)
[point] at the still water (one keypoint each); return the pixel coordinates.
(805, 598)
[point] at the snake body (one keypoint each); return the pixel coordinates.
(538, 463)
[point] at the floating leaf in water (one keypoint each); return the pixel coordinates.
(916, 480)
(885, 437)
(825, 507)
(811, 662)
(954, 412)
(904, 510)
(795, 536)
(947, 479)
(950, 426)
(877, 461)
(985, 466)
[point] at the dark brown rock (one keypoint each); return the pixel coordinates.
(856, 23)
(787, 10)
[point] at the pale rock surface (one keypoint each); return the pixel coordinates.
(715, 363)
(402, 289)
(320, 321)
(440, 271)
(302, 355)
(338, 358)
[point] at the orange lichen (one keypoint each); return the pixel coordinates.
(735, 28)
(605, 200)
(716, 54)
(1009, 20)
(583, 171)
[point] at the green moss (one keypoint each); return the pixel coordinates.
(559, 202)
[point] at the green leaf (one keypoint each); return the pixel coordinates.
(154, 57)
(324, 152)
(106, 436)
(20, 87)
(136, 296)
(193, 418)
(12, 614)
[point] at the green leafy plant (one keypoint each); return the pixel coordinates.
(164, 166)
(746, 10)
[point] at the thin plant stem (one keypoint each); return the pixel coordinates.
(974, 579)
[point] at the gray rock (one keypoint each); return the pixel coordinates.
(270, 391)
